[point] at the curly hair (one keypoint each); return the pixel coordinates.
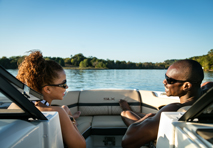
(36, 72)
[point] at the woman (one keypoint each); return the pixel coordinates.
(49, 78)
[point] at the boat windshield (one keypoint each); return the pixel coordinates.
(202, 110)
(5, 102)
(13, 92)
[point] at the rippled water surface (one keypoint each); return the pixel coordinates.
(117, 79)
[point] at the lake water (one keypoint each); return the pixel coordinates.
(117, 79)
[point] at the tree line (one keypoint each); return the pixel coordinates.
(79, 60)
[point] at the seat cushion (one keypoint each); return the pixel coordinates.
(107, 121)
(84, 123)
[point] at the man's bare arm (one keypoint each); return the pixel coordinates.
(146, 129)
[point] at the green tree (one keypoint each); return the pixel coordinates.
(210, 52)
(110, 63)
(4, 61)
(100, 64)
(94, 61)
(67, 60)
(84, 63)
(76, 59)
(210, 59)
(47, 58)
(74, 62)
(61, 62)
(20, 59)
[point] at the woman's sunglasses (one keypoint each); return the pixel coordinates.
(171, 80)
(63, 85)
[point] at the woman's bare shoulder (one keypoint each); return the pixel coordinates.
(50, 108)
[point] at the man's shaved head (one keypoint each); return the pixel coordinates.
(187, 74)
(189, 70)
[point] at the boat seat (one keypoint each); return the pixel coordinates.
(103, 106)
(106, 102)
(84, 123)
(153, 101)
(100, 108)
(107, 121)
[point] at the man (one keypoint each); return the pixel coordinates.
(183, 79)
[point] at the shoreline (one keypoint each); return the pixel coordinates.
(93, 68)
(85, 68)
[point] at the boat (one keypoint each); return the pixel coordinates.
(100, 122)
(192, 128)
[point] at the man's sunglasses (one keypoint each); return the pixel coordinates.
(63, 85)
(171, 80)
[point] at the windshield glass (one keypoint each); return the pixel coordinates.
(7, 106)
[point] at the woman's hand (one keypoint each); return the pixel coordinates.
(66, 108)
(75, 115)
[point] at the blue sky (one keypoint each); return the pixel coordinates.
(129, 30)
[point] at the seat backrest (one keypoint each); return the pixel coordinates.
(153, 101)
(71, 100)
(106, 102)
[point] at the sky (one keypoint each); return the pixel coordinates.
(125, 30)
